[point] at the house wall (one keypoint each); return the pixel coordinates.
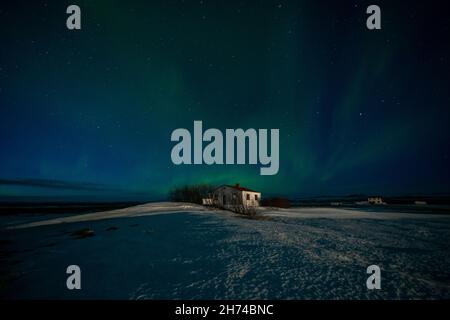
(234, 197)
(254, 198)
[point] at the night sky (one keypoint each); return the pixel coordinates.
(87, 114)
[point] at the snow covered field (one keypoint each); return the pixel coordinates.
(178, 251)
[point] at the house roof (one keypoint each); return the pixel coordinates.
(238, 187)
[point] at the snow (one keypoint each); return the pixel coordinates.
(167, 251)
(135, 211)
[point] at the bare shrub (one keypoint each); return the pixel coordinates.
(190, 193)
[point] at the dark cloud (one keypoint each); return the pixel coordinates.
(53, 184)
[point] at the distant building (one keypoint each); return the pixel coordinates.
(375, 200)
(207, 201)
(235, 196)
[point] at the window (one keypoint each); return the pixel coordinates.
(256, 197)
(248, 196)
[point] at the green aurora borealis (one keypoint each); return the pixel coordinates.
(89, 113)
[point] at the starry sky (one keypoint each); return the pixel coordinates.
(88, 114)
